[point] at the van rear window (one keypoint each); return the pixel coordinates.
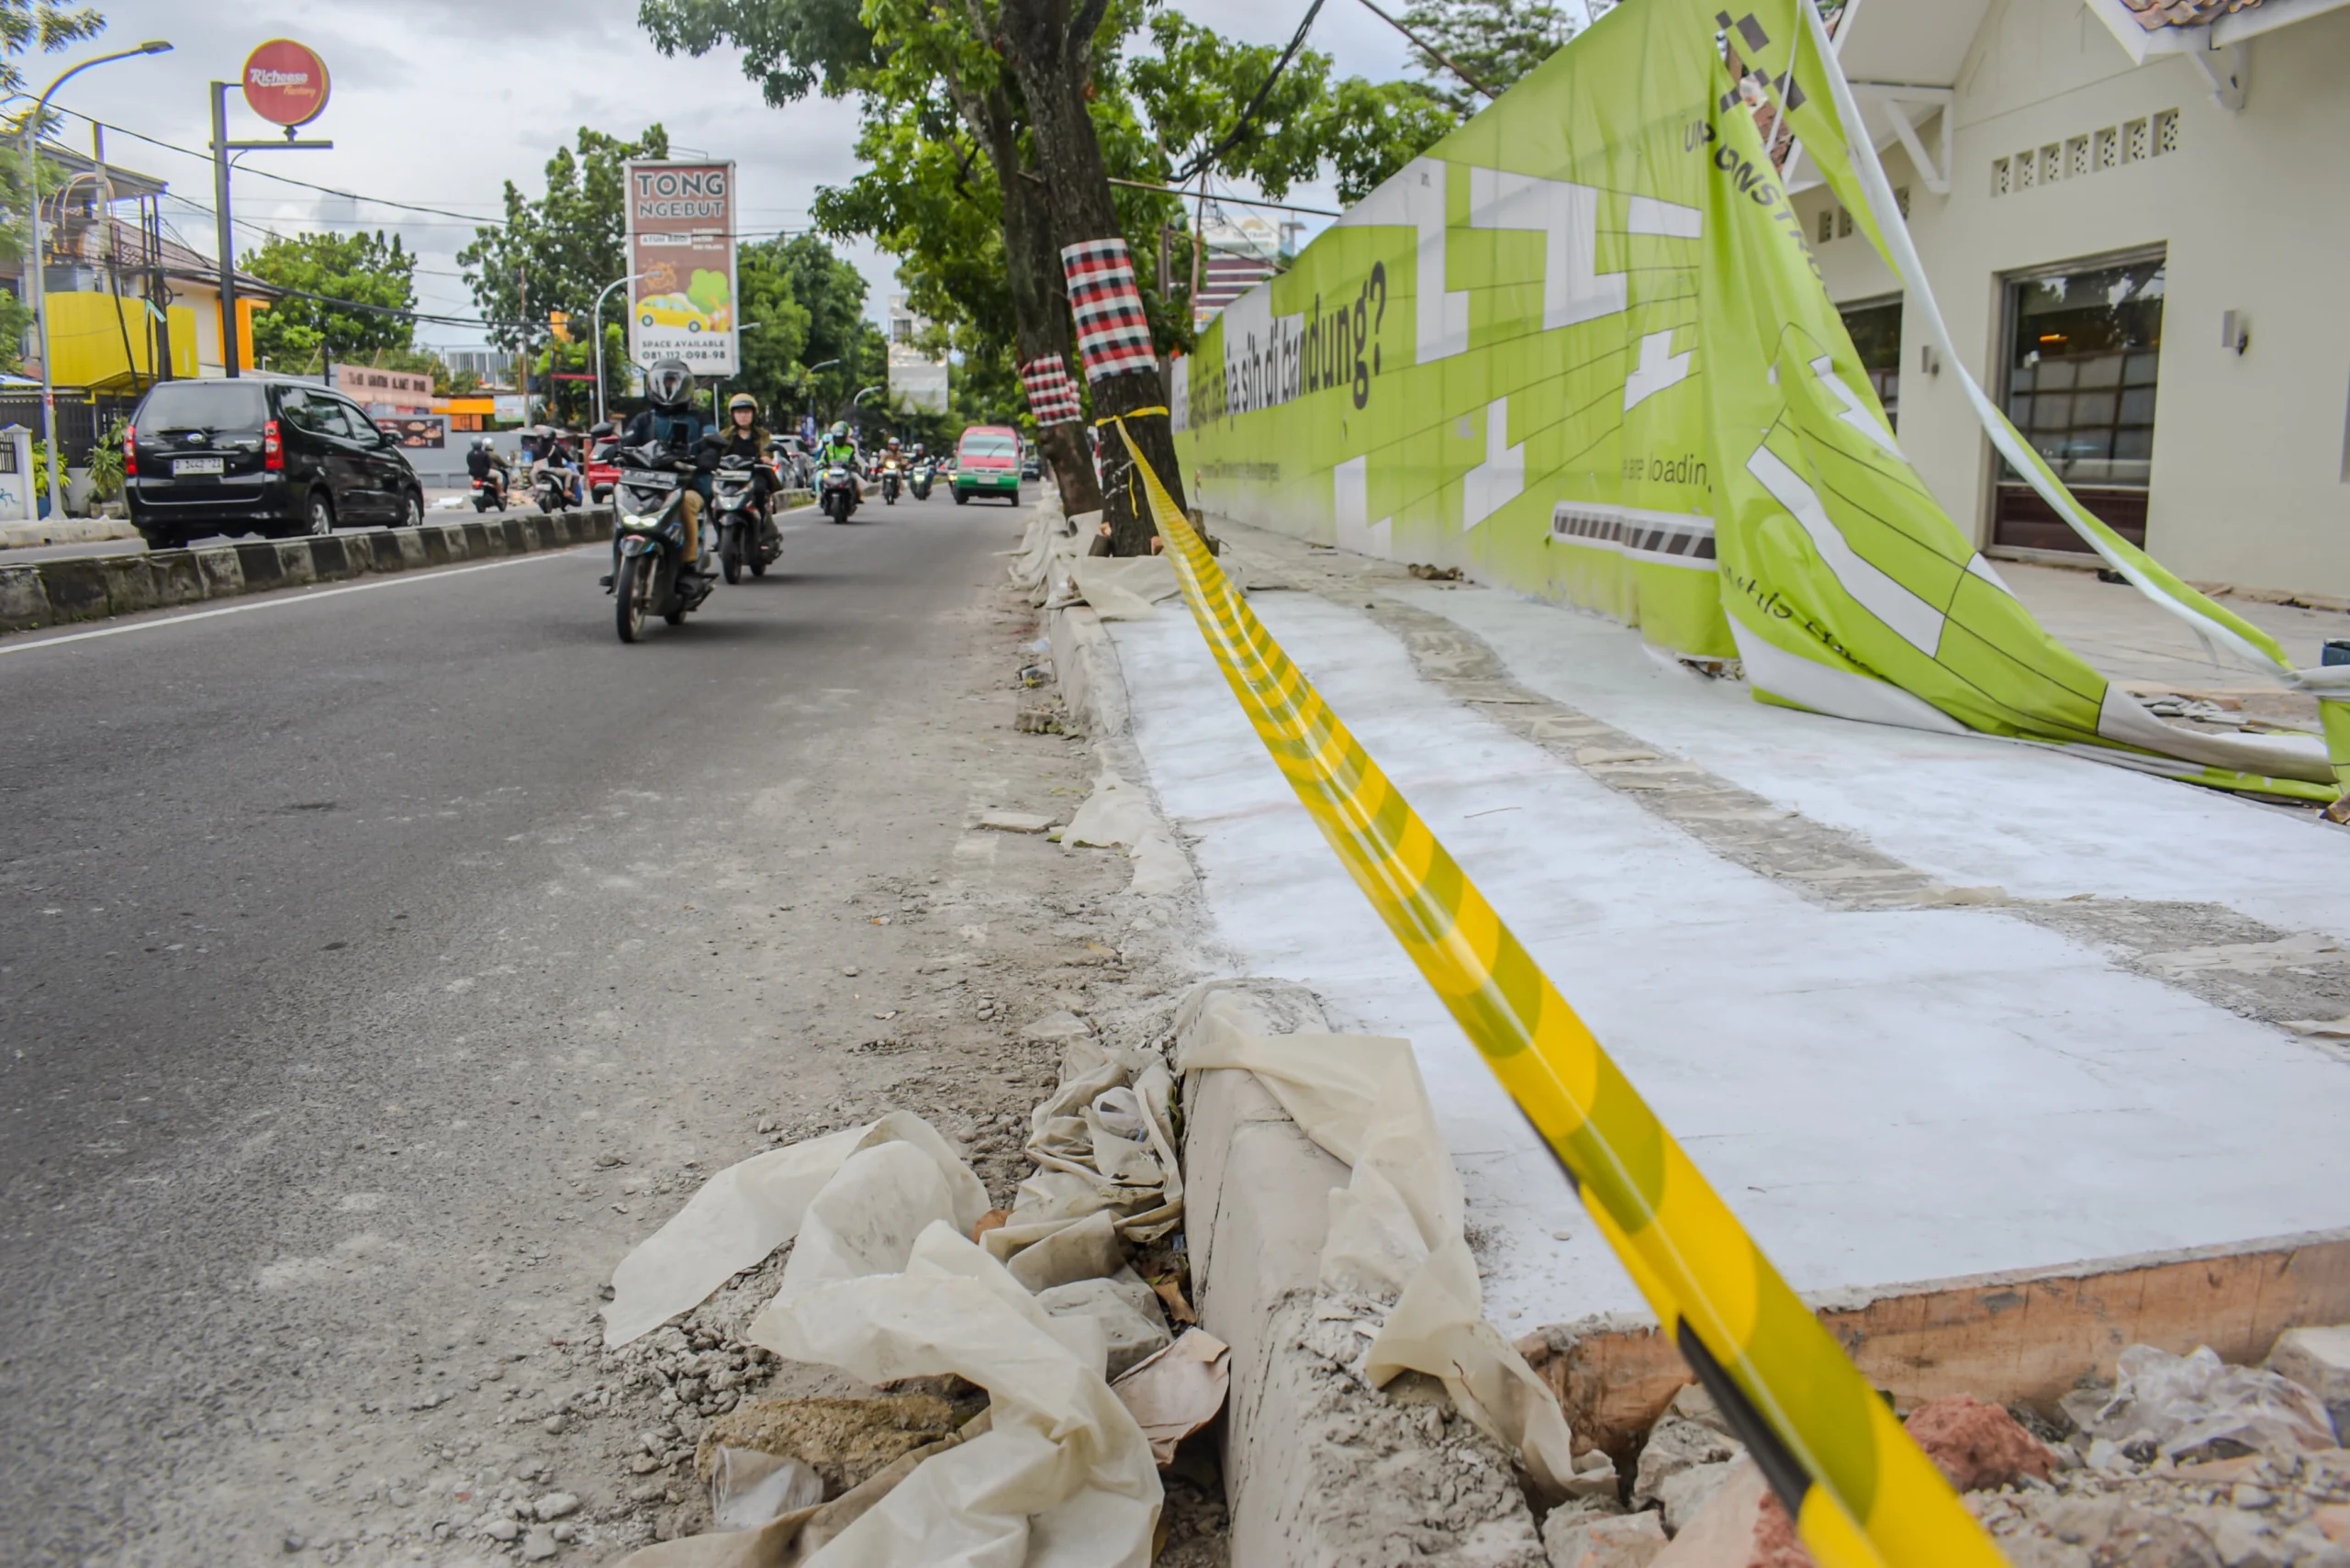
(205, 405)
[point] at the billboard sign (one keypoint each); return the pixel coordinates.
(286, 83)
(681, 243)
(385, 391)
(417, 431)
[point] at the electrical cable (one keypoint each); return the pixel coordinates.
(1248, 112)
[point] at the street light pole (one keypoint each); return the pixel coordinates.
(600, 338)
(34, 266)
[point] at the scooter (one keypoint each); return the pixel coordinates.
(746, 535)
(489, 493)
(924, 474)
(649, 575)
(838, 491)
(551, 489)
(890, 481)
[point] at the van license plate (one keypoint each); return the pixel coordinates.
(184, 465)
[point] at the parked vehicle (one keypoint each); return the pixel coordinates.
(1032, 461)
(987, 462)
(597, 467)
(925, 474)
(746, 535)
(256, 455)
(649, 540)
(838, 491)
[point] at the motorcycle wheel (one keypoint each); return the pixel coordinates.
(758, 566)
(545, 506)
(633, 593)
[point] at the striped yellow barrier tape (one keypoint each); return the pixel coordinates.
(1859, 1490)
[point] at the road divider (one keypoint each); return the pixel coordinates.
(95, 587)
(1859, 1488)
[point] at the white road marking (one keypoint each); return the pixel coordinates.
(279, 600)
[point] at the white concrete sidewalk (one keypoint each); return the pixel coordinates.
(1885, 1095)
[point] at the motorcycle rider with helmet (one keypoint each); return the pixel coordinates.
(839, 448)
(487, 465)
(744, 436)
(668, 419)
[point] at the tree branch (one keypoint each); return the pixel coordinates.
(1083, 26)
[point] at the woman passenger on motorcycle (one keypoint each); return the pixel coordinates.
(744, 437)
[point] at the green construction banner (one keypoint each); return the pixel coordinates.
(1582, 347)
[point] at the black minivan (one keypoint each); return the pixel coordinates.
(255, 455)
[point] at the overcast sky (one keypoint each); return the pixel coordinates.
(439, 102)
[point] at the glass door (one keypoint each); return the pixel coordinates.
(2078, 377)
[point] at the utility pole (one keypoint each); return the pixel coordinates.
(224, 230)
(523, 285)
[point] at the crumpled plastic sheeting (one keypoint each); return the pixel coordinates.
(1104, 1147)
(749, 1209)
(1119, 815)
(1124, 587)
(2187, 1403)
(1063, 1477)
(1396, 1230)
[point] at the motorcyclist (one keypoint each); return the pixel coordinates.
(555, 457)
(839, 448)
(668, 420)
(744, 436)
(487, 465)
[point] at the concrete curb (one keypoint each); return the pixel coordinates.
(1320, 1470)
(94, 588)
(64, 530)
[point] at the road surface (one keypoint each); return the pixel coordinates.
(376, 960)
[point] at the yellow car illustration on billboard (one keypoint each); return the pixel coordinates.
(673, 311)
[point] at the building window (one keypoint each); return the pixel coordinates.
(2165, 132)
(1843, 223)
(2078, 382)
(1826, 224)
(2027, 170)
(2052, 163)
(2135, 146)
(1874, 327)
(2107, 148)
(2076, 157)
(1999, 177)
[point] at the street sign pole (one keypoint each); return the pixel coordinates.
(224, 230)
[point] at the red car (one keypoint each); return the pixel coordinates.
(598, 469)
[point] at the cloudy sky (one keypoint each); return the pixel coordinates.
(439, 102)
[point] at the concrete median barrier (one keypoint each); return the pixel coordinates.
(94, 588)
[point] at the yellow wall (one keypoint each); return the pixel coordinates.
(86, 332)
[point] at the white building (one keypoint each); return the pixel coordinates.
(2134, 220)
(917, 381)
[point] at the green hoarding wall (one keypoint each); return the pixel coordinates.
(1581, 347)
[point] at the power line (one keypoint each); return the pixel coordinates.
(282, 179)
(1248, 113)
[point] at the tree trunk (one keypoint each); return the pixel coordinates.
(1039, 297)
(1040, 317)
(1051, 54)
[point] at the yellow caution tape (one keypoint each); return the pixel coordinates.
(1860, 1489)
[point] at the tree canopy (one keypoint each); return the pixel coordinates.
(563, 247)
(1496, 41)
(299, 334)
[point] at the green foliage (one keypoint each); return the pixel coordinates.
(30, 25)
(788, 46)
(295, 334)
(1497, 41)
(774, 351)
(833, 291)
(1376, 128)
(568, 243)
(106, 461)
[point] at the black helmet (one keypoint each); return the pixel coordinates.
(670, 383)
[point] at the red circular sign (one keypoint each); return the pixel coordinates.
(286, 83)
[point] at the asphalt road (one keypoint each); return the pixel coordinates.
(336, 935)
